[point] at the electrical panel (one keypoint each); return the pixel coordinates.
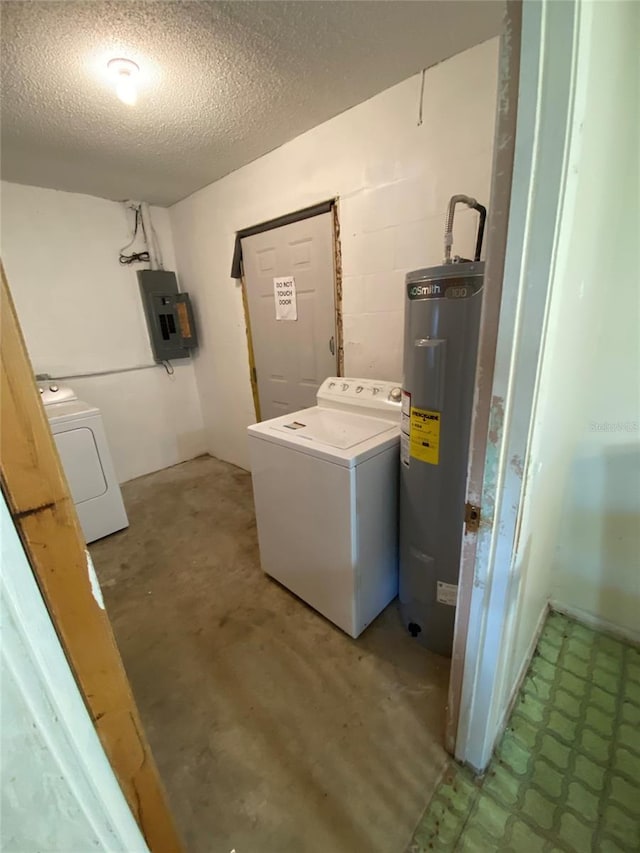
(169, 315)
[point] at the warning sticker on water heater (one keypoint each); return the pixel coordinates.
(424, 435)
(447, 593)
(405, 429)
(404, 449)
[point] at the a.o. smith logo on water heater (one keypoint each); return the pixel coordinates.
(453, 288)
(420, 291)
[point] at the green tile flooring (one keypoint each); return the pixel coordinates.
(566, 775)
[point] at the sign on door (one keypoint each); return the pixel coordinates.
(284, 290)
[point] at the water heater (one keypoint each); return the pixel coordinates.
(442, 319)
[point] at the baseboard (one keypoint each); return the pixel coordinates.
(591, 620)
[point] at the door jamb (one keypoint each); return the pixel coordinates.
(545, 116)
(337, 273)
(253, 375)
(499, 206)
(38, 497)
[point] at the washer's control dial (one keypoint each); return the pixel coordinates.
(53, 388)
(395, 394)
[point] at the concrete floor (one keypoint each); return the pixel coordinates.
(274, 732)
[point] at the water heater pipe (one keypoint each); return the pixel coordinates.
(448, 230)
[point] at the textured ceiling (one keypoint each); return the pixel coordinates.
(221, 83)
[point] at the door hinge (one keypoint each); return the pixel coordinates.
(471, 518)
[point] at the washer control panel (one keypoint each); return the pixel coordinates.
(346, 392)
(51, 392)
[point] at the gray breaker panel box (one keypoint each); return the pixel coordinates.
(170, 321)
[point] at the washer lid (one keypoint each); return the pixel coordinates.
(333, 428)
(332, 434)
(60, 412)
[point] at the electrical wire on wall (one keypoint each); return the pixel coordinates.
(142, 227)
(421, 102)
(143, 257)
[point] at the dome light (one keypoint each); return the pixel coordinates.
(124, 73)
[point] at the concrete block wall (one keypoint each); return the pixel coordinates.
(393, 178)
(386, 232)
(80, 312)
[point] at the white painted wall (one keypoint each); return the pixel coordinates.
(58, 789)
(393, 179)
(581, 512)
(80, 312)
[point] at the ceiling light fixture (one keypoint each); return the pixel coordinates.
(124, 73)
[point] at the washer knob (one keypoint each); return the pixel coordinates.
(395, 394)
(53, 388)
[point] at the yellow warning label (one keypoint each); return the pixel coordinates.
(424, 441)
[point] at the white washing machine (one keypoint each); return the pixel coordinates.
(79, 435)
(325, 485)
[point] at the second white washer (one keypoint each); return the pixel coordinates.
(325, 484)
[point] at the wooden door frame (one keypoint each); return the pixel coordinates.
(500, 444)
(483, 411)
(37, 494)
(337, 284)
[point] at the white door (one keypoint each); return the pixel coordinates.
(293, 354)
